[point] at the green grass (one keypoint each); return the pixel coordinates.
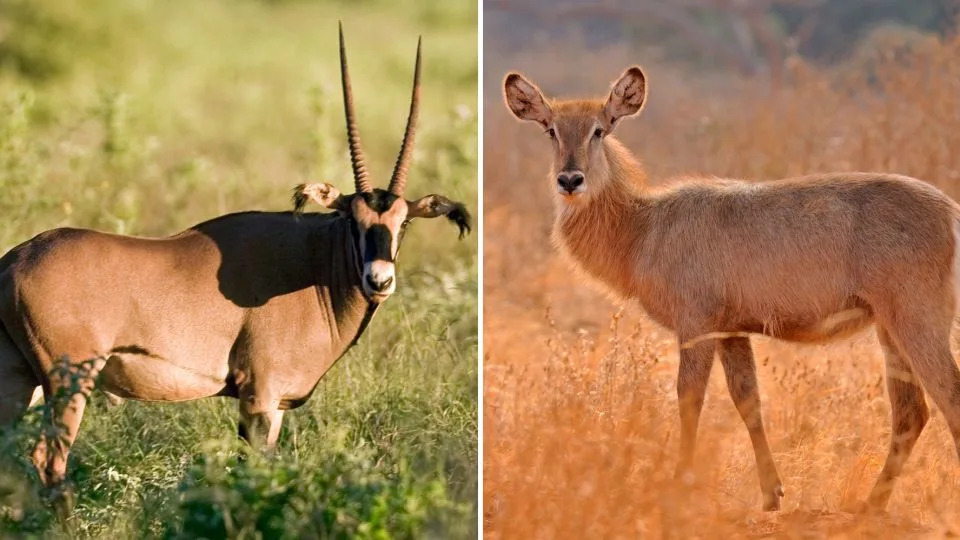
(147, 117)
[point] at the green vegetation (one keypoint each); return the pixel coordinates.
(147, 117)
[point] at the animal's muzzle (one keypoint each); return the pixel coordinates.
(569, 182)
(379, 279)
(379, 286)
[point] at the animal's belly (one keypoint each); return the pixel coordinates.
(152, 378)
(170, 358)
(833, 326)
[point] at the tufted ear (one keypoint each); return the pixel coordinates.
(627, 95)
(433, 206)
(323, 194)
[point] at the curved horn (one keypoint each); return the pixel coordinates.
(360, 175)
(399, 178)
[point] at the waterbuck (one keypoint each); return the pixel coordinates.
(802, 259)
(254, 305)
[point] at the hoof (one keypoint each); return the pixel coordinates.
(876, 502)
(864, 508)
(62, 499)
(870, 507)
(771, 500)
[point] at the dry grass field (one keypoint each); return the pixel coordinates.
(580, 413)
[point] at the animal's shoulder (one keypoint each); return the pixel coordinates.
(251, 221)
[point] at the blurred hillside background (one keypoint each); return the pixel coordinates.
(743, 38)
(146, 117)
(580, 415)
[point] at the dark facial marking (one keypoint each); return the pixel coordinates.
(379, 200)
(378, 244)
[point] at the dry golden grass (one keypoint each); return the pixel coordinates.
(580, 413)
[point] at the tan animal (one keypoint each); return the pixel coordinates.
(255, 305)
(803, 259)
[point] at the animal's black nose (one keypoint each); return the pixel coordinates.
(569, 180)
(379, 285)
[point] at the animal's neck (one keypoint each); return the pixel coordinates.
(604, 234)
(339, 288)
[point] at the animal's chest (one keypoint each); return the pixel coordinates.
(286, 361)
(609, 261)
(284, 368)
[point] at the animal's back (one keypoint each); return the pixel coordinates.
(233, 259)
(782, 256)
(83, 293)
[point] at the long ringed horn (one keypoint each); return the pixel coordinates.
(399, 179)
(360, 175)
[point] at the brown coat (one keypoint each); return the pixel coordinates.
(186, 317)
(801, 259)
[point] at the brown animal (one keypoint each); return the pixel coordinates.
(802, 259)
(255, 305)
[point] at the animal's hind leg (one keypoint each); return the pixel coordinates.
(908, 416)
(16, 391)
(70, 389)
(53, 449)
(924, 338)
(17, 381)
(740, 370)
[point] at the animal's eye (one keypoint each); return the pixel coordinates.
(552, 133)
(597, 133)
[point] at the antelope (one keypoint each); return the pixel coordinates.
(256, 306)
(715, 261)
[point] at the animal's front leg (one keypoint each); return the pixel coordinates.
(739, 367)
(260, 420)
(695, 364)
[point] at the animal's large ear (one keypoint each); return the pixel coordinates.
(525, 100)
(627, 96)
(323, 194)
(433, 206)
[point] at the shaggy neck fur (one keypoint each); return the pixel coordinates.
(602, 235)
